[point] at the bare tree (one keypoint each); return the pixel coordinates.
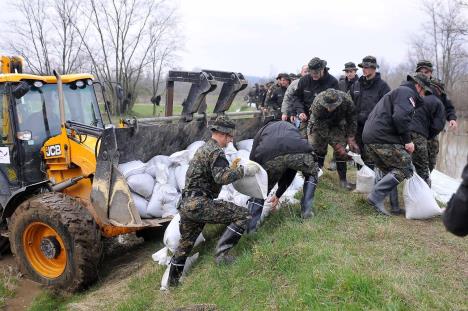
(443, 39)
(122, 37)
(44, 36)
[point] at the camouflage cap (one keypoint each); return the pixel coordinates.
(424, 64)
(224, 125)
(438, 85)
(422, 80)
(280, 75)
(349, 66)
(330, 99)
(284, 76)
(369, 61)
(317, 64)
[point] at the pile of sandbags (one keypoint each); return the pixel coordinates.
(157, 185)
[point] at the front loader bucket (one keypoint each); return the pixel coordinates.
(111, 195)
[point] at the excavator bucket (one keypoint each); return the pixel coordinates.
(145, 138)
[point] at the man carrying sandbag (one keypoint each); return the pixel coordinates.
(387, 136)
(281, 150)
(208, 171)
(333, 122)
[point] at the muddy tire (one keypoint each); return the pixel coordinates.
(56, 241)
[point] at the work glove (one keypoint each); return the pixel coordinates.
(250, 169)
(353, 146)
(235, 163)
(341, 152)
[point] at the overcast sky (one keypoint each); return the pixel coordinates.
(264, 37)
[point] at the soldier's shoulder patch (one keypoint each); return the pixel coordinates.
(412, 101)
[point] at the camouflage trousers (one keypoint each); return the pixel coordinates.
(420, 156)
(288, 165)
(433, 151)
(195, 212)
(391, 158)
(303, 129)
(321, 137)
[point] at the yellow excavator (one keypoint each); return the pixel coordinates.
(61, 191)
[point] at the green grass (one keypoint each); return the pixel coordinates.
(7, 285)
(345, 258)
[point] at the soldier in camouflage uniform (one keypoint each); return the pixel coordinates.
(333, 122)
(281, 150)
(276, 99)
(387, 139)
(427, 123)
(438, 89)
(207, 172)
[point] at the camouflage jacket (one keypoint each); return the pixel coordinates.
(209, 170)
(344, 115)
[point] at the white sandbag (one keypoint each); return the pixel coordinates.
(160, 171)
(297, 183)
(443, 186)
(230, 150)
(240, 199)
(141, 184)
(243, 154)
(155, 206)
(193, 147)
(180, 157)
(164, 159)
(253, 186)
(165, 279)
(170, 208)
(320, 173)
(266, 210)
(419, 200)
(225, 194)
(245, 144)
(141, 205)
(162, 256)
(180, 173)
(172, 235)
(365, 177)
(171, 179)
(132, 168)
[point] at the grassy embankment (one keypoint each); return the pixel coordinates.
(345, 258)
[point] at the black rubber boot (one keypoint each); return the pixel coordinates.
(381, 190)
(394, 205)
(341, 170)
(320, 161)
(230, 237)
(307, 202)
(255, 207)
(175, 271)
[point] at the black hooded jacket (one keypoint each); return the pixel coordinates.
(429, 119)
(390, 120)
(277, 138)
(345, 85)
(308, 88)
(456, 214)
(365, 94)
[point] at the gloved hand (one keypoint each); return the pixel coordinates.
(235, 163)
(250, 169)
(341, 152)
(353, 146)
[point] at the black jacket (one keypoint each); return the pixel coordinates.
(456, 214)
(308, 88)
(277, 138)
(366, 94)
(390, 120)
(429, 119)
(344, 84)
(448, 106)
(276, 99)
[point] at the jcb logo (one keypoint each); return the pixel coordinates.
(53, 151)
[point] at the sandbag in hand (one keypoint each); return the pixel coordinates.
(235, 163)
(250, 169)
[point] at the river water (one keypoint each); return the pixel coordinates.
(453, 149)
